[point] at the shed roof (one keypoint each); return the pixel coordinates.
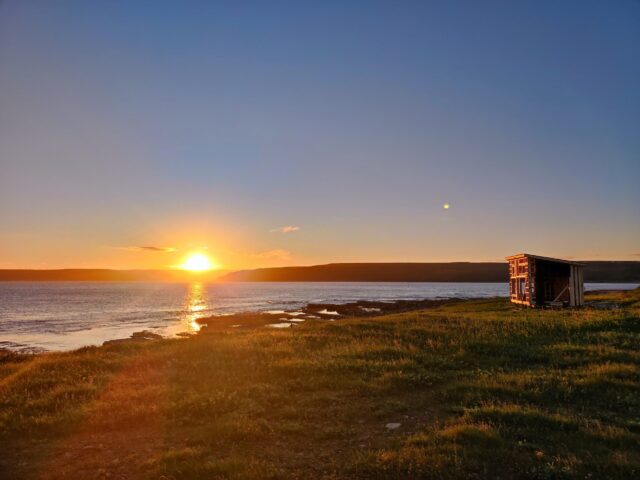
(540, 257)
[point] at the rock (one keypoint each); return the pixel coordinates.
(393, 426)
(146, 335)
(142, 336)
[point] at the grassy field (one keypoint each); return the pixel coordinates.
(480, 389)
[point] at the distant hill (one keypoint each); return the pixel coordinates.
(106, 275)
(607, 271)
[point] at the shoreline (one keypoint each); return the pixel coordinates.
(277, 318)
(280, 319)
(463, 381)
(322, 312)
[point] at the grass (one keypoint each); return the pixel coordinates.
(481, 390)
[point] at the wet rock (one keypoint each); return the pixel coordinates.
(146, 335)
(142, 336)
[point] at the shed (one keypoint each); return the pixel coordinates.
(537, 281)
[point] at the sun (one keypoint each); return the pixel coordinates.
(197, 262)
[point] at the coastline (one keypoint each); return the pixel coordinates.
(444, 391)
(319, 312)
(322, 312)
(57, 316)
(311, 312)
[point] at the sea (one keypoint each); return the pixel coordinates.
(41, 316)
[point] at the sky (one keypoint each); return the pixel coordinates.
(297, 133)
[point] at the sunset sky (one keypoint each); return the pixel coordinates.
(292, 133)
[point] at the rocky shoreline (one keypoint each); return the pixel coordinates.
(318, 311)
(276, 319)
(290, 318)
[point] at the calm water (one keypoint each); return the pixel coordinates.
(67, 315)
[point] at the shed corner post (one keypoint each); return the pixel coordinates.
(572, 286)
(581, 285)
(530, 278)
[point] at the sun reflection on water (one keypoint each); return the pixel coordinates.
(196, 302)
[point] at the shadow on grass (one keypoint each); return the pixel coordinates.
(477, 390)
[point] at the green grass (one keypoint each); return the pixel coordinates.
(481, 389)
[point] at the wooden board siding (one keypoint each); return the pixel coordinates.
(560, 281)
(576, 286)
(520, 280)
(572, 286)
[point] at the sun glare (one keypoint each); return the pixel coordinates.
(197, 262)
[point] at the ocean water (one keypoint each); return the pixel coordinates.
(68, 315)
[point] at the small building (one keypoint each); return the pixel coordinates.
(537, 281)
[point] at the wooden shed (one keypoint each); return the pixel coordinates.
(537, 281)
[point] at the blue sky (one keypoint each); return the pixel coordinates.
(209, 125)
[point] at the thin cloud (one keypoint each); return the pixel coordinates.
(276, 254)
(286, 229)
(149, 248)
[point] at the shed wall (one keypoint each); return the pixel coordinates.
(537, 281)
